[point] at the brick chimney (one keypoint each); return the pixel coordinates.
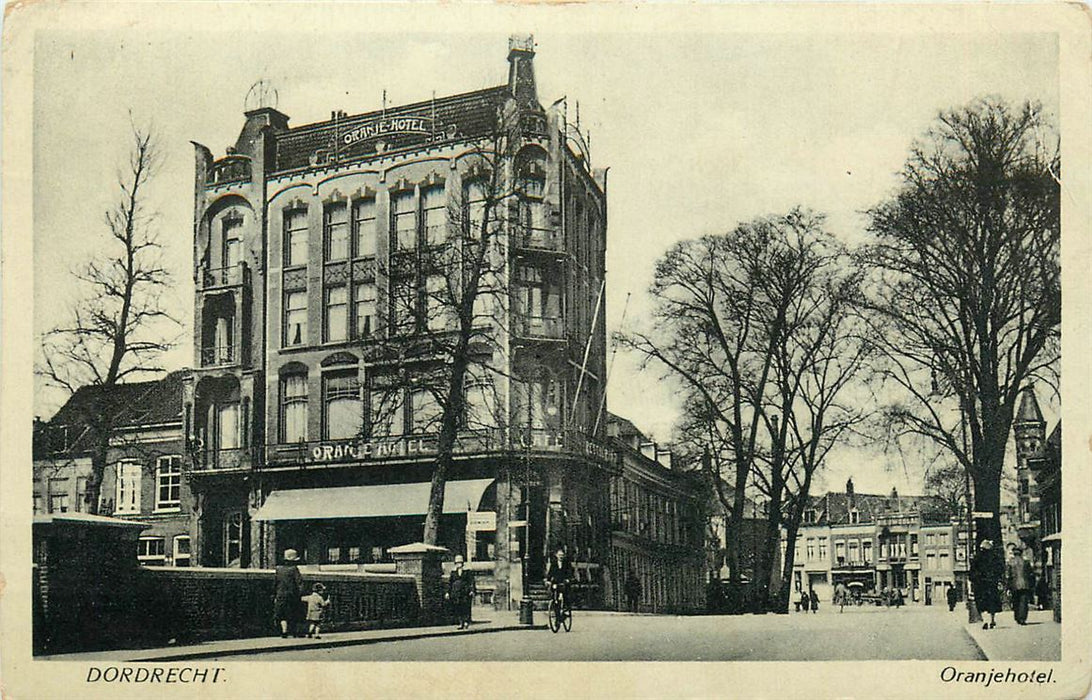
(521, 70)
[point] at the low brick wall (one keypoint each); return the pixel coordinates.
(203, 603)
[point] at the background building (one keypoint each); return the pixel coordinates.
(657, 527)
(871, 542)
(315, 256)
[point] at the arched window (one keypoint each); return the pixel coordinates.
(293, 407)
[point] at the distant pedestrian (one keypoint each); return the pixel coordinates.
(987, 568)
(804, 603)
(316, 609)
(899, 598)
(952, 596)
(840, 595)
(633, 591)
(814, 601)
(1042, 592)
(1021, 580)
(287, 593)
(460, 592)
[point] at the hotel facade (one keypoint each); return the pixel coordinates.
(318, 265)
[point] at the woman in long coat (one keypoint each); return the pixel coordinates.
(986, 572)
(287, 592)
(460, 592)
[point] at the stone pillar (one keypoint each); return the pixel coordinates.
(424, 563)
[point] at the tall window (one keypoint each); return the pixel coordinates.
(386, 412)
(127, 488)
(811, 548)
(295, 237)
(233, 538)
(439, 314)
(168, 479)
(839, 551)
(81, 494)
(426, 411)
(476, 193)
(294, 408)
(182, 550)
(538, 403)
(364, 309)
(295, 318)
(539, 300)
(404, 221)
(403, 305)
(866, 551)
(823, 548)
(337, 313)
(854, 551)
(227, 426)
(233, 242)
(336, 225)
(364, 227)
(344, 409)
(434, 211)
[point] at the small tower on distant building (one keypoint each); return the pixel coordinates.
(1029, 431)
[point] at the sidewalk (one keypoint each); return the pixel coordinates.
(1039, 640)
(486, 620)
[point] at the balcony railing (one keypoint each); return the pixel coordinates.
(219, 356)
(232, 276)
(232, 168)
(228, 458)
(552, 327)
(535, 238)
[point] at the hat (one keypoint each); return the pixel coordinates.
(318, 587)
(291, 555)
(459, 559)
(986, 544)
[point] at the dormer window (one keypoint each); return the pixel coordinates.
(854, 516)
(809, 516)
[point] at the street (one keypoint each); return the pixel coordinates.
(856, 634)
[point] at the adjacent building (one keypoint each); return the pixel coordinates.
(145, 475)
(318, 253)
(871, 542)
(657, 528)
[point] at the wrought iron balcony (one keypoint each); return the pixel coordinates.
(538, 238)
(229, 169)
(219, 356)
(222, 459)
(232, 276)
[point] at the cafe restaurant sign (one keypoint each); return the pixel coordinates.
(370, 449)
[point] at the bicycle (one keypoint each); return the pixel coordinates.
(560, 613)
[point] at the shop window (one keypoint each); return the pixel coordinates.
(404, 221)
(182, 550)
(344, 410)
(337, 313)
(364, 310)
(434, 211)
(294, 408)
(127, 488)
(168, 477)
(151, 551)
(295, 318)
(364, 227)
(336, 231)
(295, 237)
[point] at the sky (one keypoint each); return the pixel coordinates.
(700, 131)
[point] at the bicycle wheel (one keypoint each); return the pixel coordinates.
(567, 620)
(553, 616)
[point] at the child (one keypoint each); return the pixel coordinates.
(316, 606)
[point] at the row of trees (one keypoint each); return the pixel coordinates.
(785, 342)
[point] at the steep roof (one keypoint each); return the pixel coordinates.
(1028, 411)
(834, 508)
(444, 119)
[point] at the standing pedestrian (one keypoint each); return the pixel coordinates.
(460, 592)
(1042, 592)
(1021, 580)
(986, 572)
(952, 596)
(633, 590)
(814, 601)
(287, 593)
(840, 594)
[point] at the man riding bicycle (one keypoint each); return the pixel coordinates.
(560, 574)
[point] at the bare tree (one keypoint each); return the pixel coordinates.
(118, 328)
(756, 324)
(965, 287)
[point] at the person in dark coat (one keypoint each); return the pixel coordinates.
(952, 597)
(814, 601)
(460, 592)
(1021, 580)
(986, 572)
(287, 592)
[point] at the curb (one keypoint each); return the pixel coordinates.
(967, 631)
(331, 644)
